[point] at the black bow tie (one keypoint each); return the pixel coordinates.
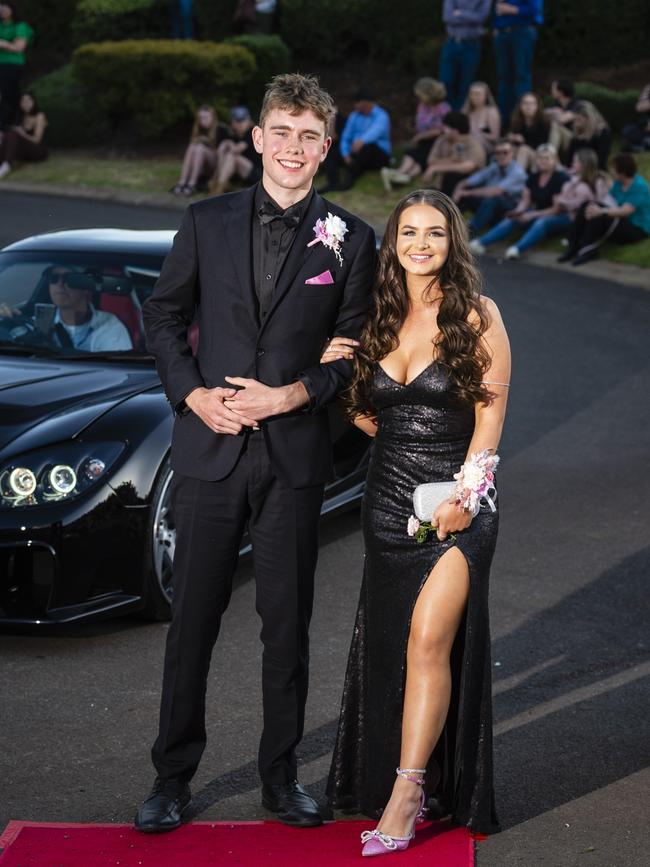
(267, 213)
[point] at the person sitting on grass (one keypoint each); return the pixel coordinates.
(429, 119)
(24, 141)
(236, 156)
(590, 130)
(625, 221)
(492, 191)
(200, 158)
(562, 112)
(637, 134)
(365, 142)
(454, 155)
(536, 215)
(483, 114)
(529, 128)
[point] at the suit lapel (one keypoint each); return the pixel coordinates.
(238, 232)
(298, 254)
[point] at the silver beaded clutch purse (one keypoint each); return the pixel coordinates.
(427, 498)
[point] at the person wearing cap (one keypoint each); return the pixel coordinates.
(236, 156)
(365, 142)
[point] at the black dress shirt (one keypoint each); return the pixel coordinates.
(274, 230)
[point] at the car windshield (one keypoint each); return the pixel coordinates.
(74, 304)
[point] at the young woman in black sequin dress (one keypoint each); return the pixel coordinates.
(431, 385)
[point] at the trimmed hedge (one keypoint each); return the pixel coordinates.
(323, 31)
(52, 21)
(214, 18)
(594, 33)
(105, 20)
(73, 118)
(152, 85)
(271, 55)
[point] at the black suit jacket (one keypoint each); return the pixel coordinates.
(207, 277)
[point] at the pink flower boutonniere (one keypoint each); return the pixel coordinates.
(330, 232)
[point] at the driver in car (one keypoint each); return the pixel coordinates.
(76, 322)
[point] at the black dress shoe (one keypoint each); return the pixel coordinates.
(567, 255)
(584, 257)
(292, 804)
(164, 806)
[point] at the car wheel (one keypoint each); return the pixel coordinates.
(159, 550)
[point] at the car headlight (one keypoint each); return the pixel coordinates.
(22, 482)
(60, 472)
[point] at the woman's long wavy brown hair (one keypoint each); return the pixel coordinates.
(458, 346)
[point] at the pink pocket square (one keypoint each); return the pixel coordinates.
(321, 280)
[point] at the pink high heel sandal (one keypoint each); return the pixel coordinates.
(376, 842)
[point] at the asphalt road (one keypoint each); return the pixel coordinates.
(569, 602)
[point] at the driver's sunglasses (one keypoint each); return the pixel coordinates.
(57, 278)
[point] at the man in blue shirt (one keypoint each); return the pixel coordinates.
(461, 53)
(492, 191)
(365, 141)
(515, 35)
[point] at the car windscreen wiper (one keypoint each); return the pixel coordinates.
(117, 355)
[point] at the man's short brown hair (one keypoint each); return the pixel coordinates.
(296, 93)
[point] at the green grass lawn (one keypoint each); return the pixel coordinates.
(90, 171)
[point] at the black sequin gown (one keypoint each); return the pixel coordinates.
(423, 436)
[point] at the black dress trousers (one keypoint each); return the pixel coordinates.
(210, 519)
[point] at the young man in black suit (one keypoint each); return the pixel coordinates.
(268, 274)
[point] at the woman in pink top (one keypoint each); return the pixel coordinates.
(429, 117)
(588, 183)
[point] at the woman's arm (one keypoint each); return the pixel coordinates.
(494, 123)
(36, 136)
(344, 347)
(428, 134)
(367, 424)
(489, 419)
(17, 46)
(595, 210)
(448, 518)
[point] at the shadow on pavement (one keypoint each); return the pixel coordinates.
(572, 743)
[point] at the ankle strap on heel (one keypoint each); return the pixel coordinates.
(415, 775)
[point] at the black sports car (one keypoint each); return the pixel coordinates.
(86, 527)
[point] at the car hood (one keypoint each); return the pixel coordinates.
(45, 401)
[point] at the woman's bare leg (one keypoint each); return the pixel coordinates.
(201, 163)
(436, 618)
(243, 167)
(188, 162)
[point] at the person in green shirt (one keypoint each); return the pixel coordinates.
(15, 36)
(624, 218)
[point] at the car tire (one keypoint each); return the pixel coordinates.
(159, 550)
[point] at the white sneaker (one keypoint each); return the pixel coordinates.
(512, 252)
(386, 178)
(5, 168)
(476, 247)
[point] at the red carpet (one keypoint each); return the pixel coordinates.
(221, 844)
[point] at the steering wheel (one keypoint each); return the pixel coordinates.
(21, 330)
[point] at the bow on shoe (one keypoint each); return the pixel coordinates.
(388, 842)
